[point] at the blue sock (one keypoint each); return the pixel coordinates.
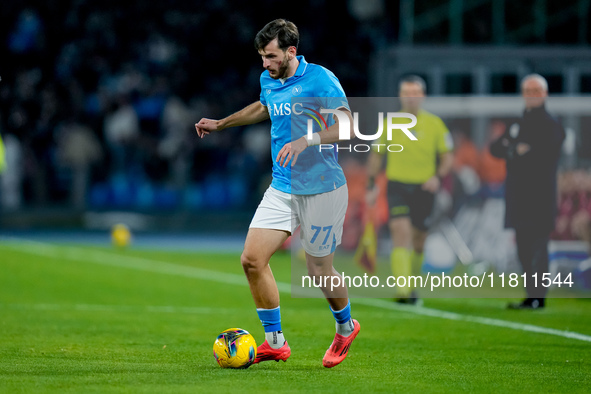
(271, 319)
(344, 315)
(344, 324)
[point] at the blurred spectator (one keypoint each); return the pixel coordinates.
(358, 212)
(12, 178)
(27, 35)
(255, 139)
(78, 150)
(121, 132)
(2, 156)
(175, 146)
(492, 170)
(574, 206)
(465, 153)
(581, 224)
(568, 204)
(465, 165)
(134, 73)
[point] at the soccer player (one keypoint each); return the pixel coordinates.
(414, 176)
(316, 201)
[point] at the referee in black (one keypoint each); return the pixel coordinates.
(531, 148)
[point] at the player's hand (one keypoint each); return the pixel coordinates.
(432, 185)
(205, 126)
(522, 148)
(291, 151)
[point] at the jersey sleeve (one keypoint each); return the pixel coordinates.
(329, 91)
(262, 98)
(444, 139)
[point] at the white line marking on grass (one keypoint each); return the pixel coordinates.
(117, 308)
(72, 253)
(143, 264)
(378, 303)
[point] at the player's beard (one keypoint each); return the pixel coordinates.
(282, 70)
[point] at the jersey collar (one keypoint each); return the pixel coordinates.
(300, 70)
(302, 67)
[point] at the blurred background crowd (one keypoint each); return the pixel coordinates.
(98, 98)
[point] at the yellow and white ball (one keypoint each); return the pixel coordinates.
(235, 348)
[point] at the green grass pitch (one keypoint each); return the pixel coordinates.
(91, 319)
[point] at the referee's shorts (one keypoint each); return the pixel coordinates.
(410, 200)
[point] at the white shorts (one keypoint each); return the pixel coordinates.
(321, 217)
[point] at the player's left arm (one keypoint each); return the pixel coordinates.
(291, 150)
(433, 184)
(446, 159)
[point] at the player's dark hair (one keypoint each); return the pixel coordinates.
(285, 31)
(413, 79)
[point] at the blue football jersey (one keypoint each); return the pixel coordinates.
(317, 170)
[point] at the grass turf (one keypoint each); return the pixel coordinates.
(81, 319)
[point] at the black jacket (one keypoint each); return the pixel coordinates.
(530, 187)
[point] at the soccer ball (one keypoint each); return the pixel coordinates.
(234, 348)
(120, 235)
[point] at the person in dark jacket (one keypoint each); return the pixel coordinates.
(531, 148)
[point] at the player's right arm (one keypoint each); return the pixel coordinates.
(254, 113)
